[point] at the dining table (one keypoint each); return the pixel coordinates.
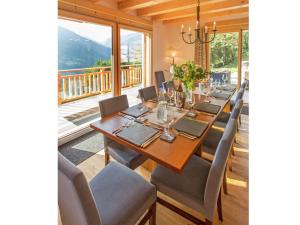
(173, 155)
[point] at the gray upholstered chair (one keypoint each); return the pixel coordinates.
(120, 153)
(159, 78)
(115, 196)
(213, 138)
(224, 117)
(238, 96)
(198, 185)
(148, 93)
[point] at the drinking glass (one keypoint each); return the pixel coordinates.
(170, 93)
(179, 97)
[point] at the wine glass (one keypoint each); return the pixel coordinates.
(179, 97)
(170, 93)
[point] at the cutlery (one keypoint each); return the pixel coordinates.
(187, 135)
(149, 141)
(127, 124)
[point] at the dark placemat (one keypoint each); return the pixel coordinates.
(136, 110)
(137, 134)
(220, 95)
(207, 107)
(190, 126)
(227, 88)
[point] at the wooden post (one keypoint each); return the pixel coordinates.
(75, 86)
(98, 82)
(240, 49)
(90, 83)
(64, 88)
(70, 87)
(58, 89)
(80, 85)
(102, 81)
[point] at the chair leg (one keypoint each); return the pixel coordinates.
(152, 220)
(230, 163)
(208, 222)
(219, 204)
(232, 151)
(106, 157)
(240, 120)
(225, 182)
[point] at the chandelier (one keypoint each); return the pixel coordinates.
(198, 30)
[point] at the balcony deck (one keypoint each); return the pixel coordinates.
(78, 114)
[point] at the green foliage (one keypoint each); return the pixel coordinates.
(188, 73)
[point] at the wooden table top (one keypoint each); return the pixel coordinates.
(172, 155)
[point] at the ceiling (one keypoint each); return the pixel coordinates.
(236, 12)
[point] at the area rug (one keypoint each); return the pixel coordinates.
(245, 110)
(80, 149)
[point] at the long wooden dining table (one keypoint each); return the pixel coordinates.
(173, 155)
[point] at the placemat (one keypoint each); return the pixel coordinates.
(221, 95)
(190, 126)
(136, 110)
(137, 134)
(207, 107)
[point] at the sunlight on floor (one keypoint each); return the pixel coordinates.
(244, 150)
(238, 183)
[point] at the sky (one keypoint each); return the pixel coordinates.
(98, 33)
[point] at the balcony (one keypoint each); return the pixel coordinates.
(80, 90)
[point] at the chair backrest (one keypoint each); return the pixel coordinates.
(76, 202)
(160, 78)
(237, 109)
(168, 84)
(113, 105)
(147, 93)
(217, 169)
(239, 95)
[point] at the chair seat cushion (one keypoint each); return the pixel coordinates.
(219, 124)
(125, 156)
(223, 117)
(187, 187)
(121, 195)
(212, 138)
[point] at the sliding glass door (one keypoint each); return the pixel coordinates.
(85, 72)
(224, 55)
(135, 48)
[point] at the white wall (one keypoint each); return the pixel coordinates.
(166, 36)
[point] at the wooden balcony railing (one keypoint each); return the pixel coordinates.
(81, 83)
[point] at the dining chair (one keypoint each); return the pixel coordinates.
(159, 78)
(224, 117)
(198, 186)
(210, 145)
(115, 196)
(238, 96)
(148, 93)
(120, 153)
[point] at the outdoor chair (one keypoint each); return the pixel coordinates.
(115, 196)
(120, 153)
(198, 185)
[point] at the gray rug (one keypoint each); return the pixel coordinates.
(83, 147)
(245, 110)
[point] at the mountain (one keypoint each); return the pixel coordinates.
(75, 51)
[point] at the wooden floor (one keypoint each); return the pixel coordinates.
(235, 204)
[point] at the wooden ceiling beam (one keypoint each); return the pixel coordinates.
(241, 12)
(207, 9)
(172, 6)
(136, 4)
(227, 23)
(97, 11)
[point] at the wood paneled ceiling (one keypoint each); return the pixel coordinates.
(227, 13)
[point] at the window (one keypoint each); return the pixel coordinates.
(85, 72)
